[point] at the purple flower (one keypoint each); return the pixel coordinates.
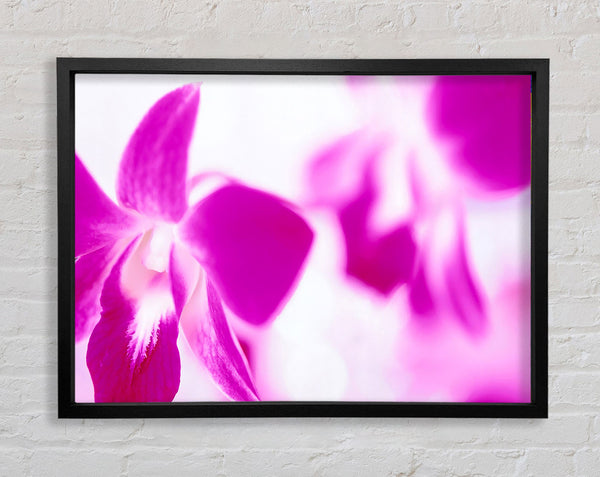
(154, 266)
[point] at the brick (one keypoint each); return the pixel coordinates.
(23, 395)
(28, 247)
(43, 15)
(516, 18)
(558, 431)
(247, 44)
(332, 16)
(568, 128)
(164, 461)
(572, 390)
(570, 17)
(124, 47)
(587, 461)
(573, 204)
(26, 316)
(119, 433)
(551, 18)
(595, 431)
(7, 15)
(28, 50)
(35, 87)
(575, 88)
(575, 351)
(431, 16)
(593, 128)
(22, 355)
(548, 462)
(26, 207)
(558, 50)
(437, 47)
(27, 169)
(585, 49)
(320, 462)
(590, 239)
(277, 17)
(258, 17)
(28, 283)
(90, 14)
(471, 17)
(23, 125)
(574, 164)
(63, 462)
(574, 279)
(573, 313)
(131, 17)
(379, 17)
(469, 462)
(178, 15)
(15, 462)
(390, 461)
(563, 242)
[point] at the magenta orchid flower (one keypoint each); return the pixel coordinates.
(153, 266)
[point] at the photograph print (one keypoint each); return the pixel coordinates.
(276, 238)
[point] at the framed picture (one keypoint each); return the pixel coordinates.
(330, 238)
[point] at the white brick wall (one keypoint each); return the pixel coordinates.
(34, 32)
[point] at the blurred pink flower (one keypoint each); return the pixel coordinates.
(486, 123)
(341, 177)
(463, 141)
(152, 266)
(482, 124)
(444, 282)
(435, 268)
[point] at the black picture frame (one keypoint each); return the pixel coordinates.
(67, 68)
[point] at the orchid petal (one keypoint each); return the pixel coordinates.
(184, 272)
(98, 220)
(132, 353)
(488, 121)
(381, 262)
(336, 172)
(464, 295)
(420, 298)
(252, 245)
(153, 171)
(90, 272)
(444, 281)
(384, 263)
(206, 329)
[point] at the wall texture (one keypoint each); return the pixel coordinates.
(34, 442)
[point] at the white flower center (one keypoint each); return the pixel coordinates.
(159, 249)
